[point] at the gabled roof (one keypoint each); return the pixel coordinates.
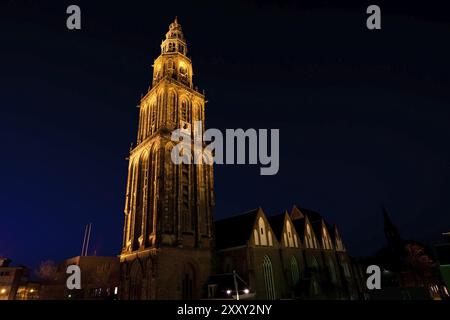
(315, 219)
(332, 231)
(235, 231)
(277, 224)
(317, 227)
(299, 225)
(312, 215)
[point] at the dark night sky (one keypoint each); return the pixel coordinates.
(363, 116)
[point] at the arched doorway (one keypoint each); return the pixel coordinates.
(188, 282)
(135, 290)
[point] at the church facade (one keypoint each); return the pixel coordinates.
(292, 255)
(171, 246)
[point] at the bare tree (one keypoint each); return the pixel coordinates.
(47, 271)
(419, 263)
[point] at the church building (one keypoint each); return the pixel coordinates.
(171, 246)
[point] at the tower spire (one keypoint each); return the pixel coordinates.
(173, 62)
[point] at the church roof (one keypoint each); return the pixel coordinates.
(312, 215)
(299, 225)
(277, 224)
(332, 229)
(315, 219)
(235, 231)
(317, 227)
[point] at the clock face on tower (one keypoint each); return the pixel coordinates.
(183, 71)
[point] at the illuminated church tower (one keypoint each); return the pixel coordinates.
(168, 229)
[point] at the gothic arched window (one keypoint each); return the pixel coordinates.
(315, 287)
(295, 273)
(152, 118)
(332, 270)
(173, 105)
(184, 111)
(268, 278)
(152, 177)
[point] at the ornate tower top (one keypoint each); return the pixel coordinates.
(173, 62)
(174, 41)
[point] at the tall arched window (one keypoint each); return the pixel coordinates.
(152, 177)
(268, 278)
(170, 67)
(129, 202)
(295, 274)
(315, 287)
(344, 265)
(173, 106)
(184, 111)
(141, 180)
(152, 121)
(314, 264)
(332, 270)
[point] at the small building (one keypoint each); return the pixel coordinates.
(99, 279)
(9, 279)
(14, 282)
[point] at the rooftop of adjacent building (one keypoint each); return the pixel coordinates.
(5, 262)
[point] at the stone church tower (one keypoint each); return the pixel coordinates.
(168, 229)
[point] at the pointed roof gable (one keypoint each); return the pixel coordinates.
(296, 214)
(277, 224)
(338, 242)
(317, 227)
(299, 225)
(316, 220)
(284, 229)
(313, 216)
(235, 231)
